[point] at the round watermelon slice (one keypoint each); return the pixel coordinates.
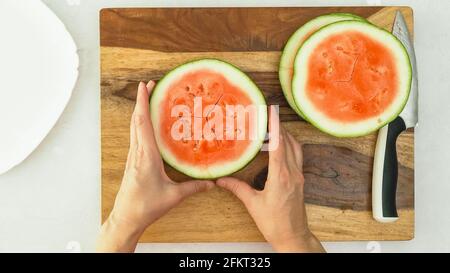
(286, 68)
(209, 118)
(351, 78)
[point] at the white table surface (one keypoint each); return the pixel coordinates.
(51, 202)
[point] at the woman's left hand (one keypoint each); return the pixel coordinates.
(146, 192)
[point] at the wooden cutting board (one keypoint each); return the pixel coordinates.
(143, 44)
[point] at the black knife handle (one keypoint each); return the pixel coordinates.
(385, 172)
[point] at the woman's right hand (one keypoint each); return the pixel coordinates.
(279, 209)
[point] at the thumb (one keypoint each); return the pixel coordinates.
(242, 190)
(189, 188)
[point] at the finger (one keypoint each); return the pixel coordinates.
(289, 146)
(276, 139)
(242, 190)
(274, 128)
(133, 139)
(277, 151)
(188, 188)
(133, 142)
(141, 119)
(297, 151)
(150, 85)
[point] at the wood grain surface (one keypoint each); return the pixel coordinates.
(142, 44)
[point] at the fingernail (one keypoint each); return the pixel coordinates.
(141, 85)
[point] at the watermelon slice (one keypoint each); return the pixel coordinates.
(196, 129)
(286, 69)
(351, 78)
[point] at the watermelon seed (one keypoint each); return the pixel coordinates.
(196, 145)
(357, 107)
(376, 71)
(330, 69)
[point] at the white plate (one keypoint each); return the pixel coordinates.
(38, 71)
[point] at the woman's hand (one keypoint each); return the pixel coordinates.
(146, 192)
(279, 210)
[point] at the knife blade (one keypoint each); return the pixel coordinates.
(410, 112)
(385, 166)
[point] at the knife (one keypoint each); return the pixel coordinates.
(385, 166)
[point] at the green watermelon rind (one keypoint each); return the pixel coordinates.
(292, 46)
(392, 42)
(255, 95)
